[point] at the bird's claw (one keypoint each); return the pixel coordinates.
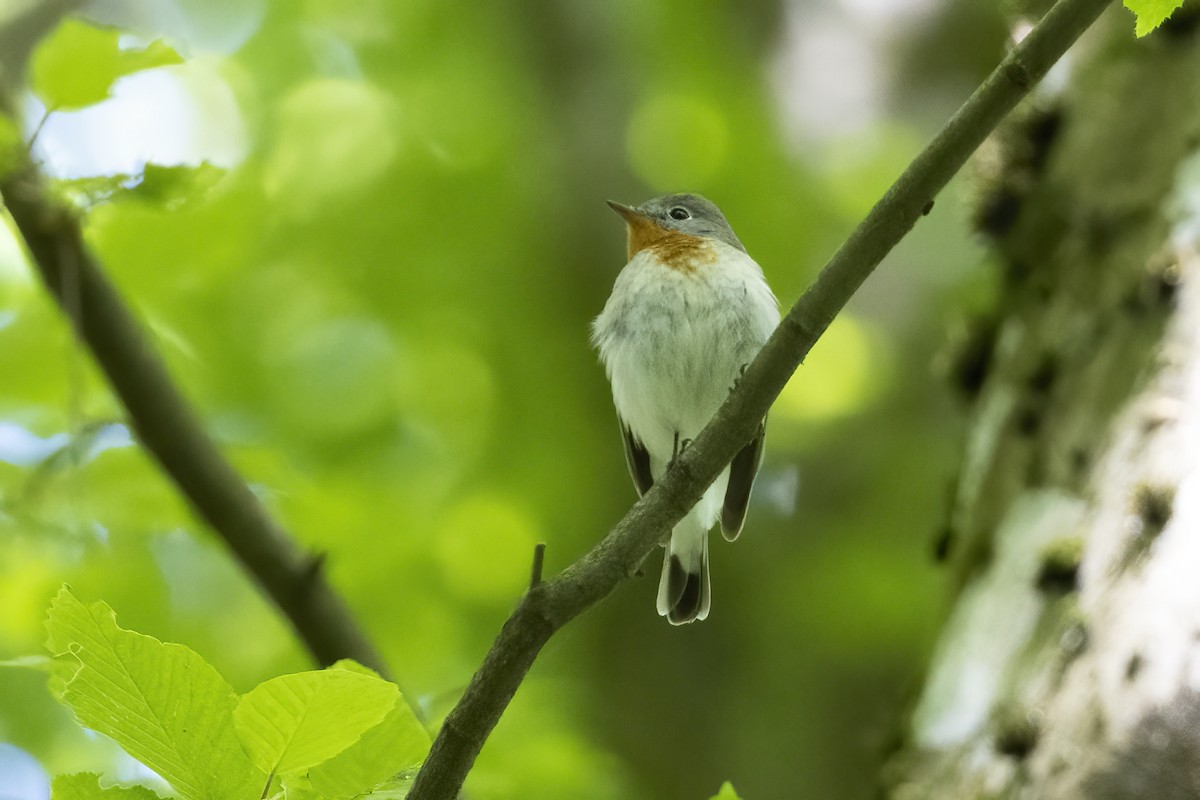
(738, 378)
(680, 446)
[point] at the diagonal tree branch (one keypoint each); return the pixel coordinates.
(550, 605)
(167, 427)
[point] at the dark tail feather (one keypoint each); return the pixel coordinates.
(684, 595)
(673, 583)
(742, 471)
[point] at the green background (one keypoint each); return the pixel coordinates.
(381, 311)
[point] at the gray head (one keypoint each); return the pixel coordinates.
(686, 213)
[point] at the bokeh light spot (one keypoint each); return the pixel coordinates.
(484, 547)
(841, 375)
(29, 575)
(333, 380)
(462, 112)
(335, 138)
(676, 142)
(450, 389)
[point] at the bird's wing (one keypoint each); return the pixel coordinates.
(742, 471)
(638, 460)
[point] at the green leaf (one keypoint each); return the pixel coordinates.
(163, 703)
(86, 786)
(395, 789)
(77, 65)
(159, 185)
(726, 793)
(299, 787)
(295, 722)
(400, 742)
(1151, 13)
(171, 185)
(89, 190)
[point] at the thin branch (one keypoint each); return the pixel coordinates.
(37, 131)
(167, 427)
(539, 559)
(551, 605)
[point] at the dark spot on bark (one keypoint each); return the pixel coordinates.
(1165, 290)
(998, 212)
(1158, 288)
(1133, 666)
(977, 557)
(1151, 507)
(972, 359)
(1058, 577)
(1017, 733)
(942, 543)
(1163, 284)
(1058, 565)
(1029, 420)
(1044, 374)
(1043, 129)
(1025, 147)
(1017, 271)
(945, 535)
(1080, 459)
(1153, 504)
(928, 207)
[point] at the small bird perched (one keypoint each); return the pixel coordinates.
(688, 312)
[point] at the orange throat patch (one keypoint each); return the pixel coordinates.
(678, 251)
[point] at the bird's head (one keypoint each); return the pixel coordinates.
(687, 214)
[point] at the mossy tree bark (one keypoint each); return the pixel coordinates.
(1069, 666)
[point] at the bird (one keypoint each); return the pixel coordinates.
(686, 315)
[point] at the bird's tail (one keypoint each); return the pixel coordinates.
(684, 590)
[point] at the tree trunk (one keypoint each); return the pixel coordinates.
(1069, 666)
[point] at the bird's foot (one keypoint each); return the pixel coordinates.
(738, 378)
(680, 446)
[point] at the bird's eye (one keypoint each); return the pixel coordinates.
(679, 212)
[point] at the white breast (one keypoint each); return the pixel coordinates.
(674, 341)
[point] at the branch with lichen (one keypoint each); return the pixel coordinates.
(550, 605)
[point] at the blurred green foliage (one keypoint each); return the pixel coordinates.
(380, 308)
(59, 78)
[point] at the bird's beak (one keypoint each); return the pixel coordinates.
(641, 230)
(630, 214)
